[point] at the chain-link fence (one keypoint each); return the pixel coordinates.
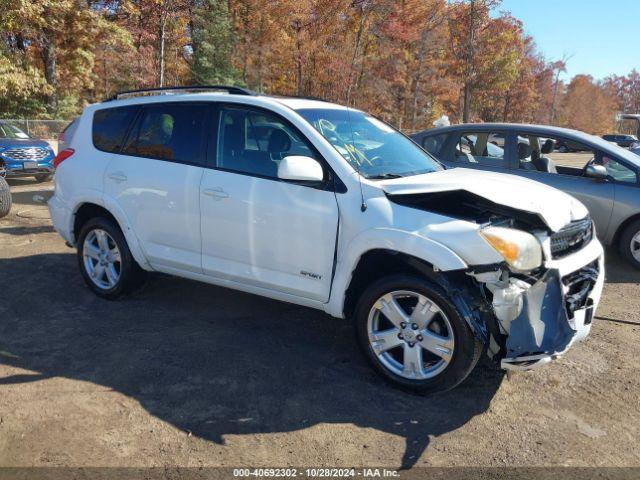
(43, 129)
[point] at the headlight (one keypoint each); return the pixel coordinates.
(520, 249)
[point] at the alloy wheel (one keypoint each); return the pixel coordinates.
(410, 335)
(102, 260)
(635, 246)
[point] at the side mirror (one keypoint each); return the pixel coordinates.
(597, 172)
(300, 168)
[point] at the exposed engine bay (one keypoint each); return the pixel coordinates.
(468, 206)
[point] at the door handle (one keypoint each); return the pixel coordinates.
(118, 176)
(215, 192)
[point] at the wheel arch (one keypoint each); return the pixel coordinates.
(86, 210)
(454, 284)
(615, 240)
(391, 242)
(377, 263)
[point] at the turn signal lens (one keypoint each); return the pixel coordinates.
(520, 249)
(62, 156)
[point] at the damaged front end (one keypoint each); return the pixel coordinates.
(539, 318)
(532, 311)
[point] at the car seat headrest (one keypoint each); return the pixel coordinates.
(548, 146)
(524, 150)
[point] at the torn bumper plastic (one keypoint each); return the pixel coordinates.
(542, 320)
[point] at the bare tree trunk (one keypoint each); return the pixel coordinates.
(163, 34)
(417, 81)
(363, 20)
(507, 107)
(49, 58)
(297, 25)
(556, 83)
(466, 112)
(466, 106)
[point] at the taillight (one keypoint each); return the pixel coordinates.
(62, 156)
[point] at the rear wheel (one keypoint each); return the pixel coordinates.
(630, 243)
(414, 336)
(5, 198)
(105, 261)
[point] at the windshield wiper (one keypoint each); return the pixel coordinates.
(384, 176)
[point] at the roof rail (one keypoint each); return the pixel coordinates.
(180, 89)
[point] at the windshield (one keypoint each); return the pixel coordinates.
(372, 147)
(9, 131)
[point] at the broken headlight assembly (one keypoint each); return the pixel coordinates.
(521, 250)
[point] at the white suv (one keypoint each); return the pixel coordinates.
(323, 206)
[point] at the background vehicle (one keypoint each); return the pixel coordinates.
(236, 189)
(624, 141)
(600, 174)
(24, 156)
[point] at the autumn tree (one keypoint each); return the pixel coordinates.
(212, 43)
(588, 106)
(60, 38)
(626, 89)
(469, 36)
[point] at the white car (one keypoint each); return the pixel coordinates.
(315, 204)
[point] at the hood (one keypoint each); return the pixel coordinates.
(556, 208)
(6, 143)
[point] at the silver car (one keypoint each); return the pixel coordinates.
(602, 175)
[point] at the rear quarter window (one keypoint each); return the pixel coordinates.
(110, 127)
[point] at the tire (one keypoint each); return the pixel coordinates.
(630, 244)
(440, 374)
(5, 198)
(114, 274)
(45, 177)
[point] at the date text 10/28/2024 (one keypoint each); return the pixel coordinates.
(316, 472)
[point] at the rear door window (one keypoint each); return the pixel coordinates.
(479, 148)
(110, 127)
(169, 131)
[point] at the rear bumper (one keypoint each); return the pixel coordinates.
(61, 217)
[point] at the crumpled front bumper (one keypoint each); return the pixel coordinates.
(543, 319)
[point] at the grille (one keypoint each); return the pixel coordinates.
(578, 287)
(26, 153)
(571, 238)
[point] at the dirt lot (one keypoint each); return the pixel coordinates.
(188, 374)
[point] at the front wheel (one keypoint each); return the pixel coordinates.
(414, 336)
(630, 243)
(105, 261)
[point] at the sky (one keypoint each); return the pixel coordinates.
(602, 37)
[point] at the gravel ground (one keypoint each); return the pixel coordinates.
(187, 374)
